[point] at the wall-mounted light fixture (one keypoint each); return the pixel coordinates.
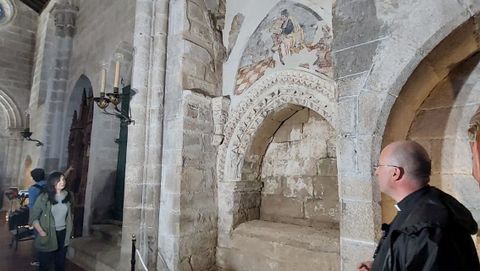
(27, 135)
(115, 97)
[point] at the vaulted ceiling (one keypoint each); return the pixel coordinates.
(37, 5)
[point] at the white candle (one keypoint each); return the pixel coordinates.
(103, 80)
(117, 74)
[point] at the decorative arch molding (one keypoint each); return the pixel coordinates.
(14, 117)
(310, 90)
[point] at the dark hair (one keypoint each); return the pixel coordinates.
(38, 174)
(52, 181)
(284, 12)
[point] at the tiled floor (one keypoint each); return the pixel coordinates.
(11, 260)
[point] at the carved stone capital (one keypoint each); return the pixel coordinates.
(65, 15)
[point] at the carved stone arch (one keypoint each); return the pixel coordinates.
(306, 89)
(268, 95)
(14, 117)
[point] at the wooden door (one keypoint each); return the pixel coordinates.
(78, 157)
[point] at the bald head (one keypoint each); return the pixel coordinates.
(413, 158)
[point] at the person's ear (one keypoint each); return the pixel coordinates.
(398, 173)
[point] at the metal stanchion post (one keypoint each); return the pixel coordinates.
(132, 261)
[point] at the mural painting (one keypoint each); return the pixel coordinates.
(290, 36)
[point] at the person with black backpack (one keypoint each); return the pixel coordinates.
(38, 176)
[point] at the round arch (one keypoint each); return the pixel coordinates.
(306, 89)
(278, 93)
(410, 34)
(14, 117)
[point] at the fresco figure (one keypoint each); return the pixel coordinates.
(287, 35)
(323, 49)
(474, 138)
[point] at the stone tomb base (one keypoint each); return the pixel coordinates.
(261, 246)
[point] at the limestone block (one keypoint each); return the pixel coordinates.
(351, 85)
(358, 187)
(347, 156)
(359, 220)
(203, 260)
(133, 198)
(260, 245)
(354, 252)
(193, 180)
(310, 148)
(355, 22)
(392, 66)
(193, 68)
(288, 132)
(332, 147)
(327, 167)
(298, 187)
(323, 211)
(355, 60)
(325, 187)
(439, 123)
(463, 188)
(433, 18)
(347, 115)
(369, 110)
(451, 156)
(272, 185)
(277, 206)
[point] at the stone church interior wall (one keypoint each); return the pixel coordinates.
(17, 39)
(299, 174)
(102, 29)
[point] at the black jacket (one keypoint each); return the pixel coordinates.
(435, 235)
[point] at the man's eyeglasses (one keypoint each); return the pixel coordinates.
(375, 167)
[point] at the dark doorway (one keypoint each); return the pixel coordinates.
(78, 156)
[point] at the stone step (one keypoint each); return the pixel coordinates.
(92, 253)
(269, 246)
(110, 233)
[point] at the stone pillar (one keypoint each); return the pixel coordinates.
(356, 35)
(144, 147)
(188, 211)
(54, 85)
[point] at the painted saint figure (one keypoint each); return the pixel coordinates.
(287, 35)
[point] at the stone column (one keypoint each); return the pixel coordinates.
(144, 147)
(54, 85)
(356, 35)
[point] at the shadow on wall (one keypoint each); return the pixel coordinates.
(103, 201)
